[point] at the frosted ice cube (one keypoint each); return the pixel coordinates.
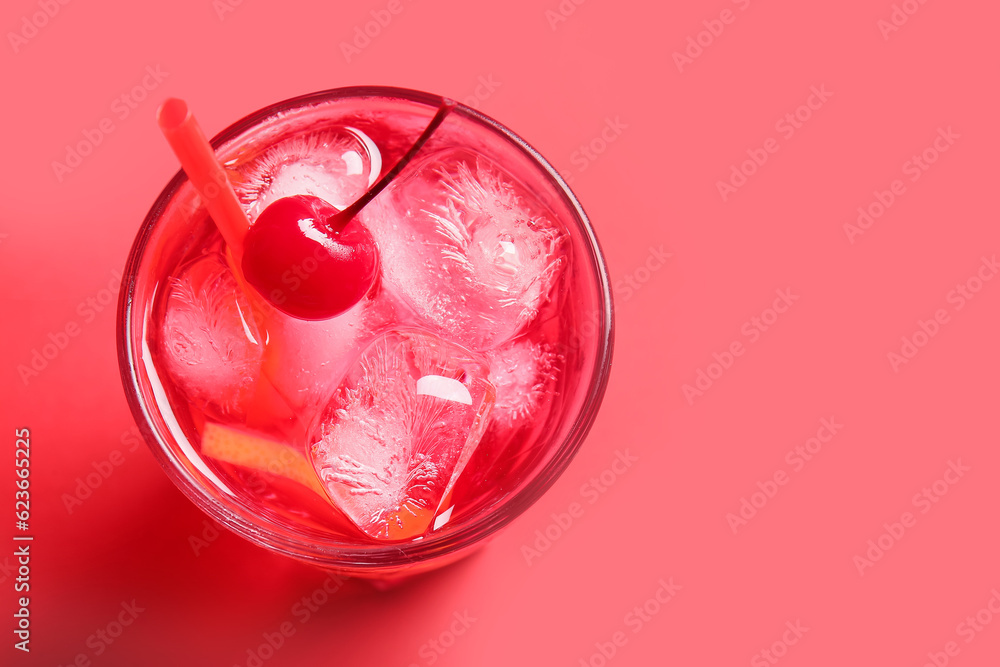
(525, 374)
(400, 430)
(466, 247)
(336, 165)
(522, 372)
(210, 341)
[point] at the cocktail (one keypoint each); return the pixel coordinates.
(369, 330)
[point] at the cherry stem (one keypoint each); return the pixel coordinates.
(340, 220)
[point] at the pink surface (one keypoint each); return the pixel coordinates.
(798, 449)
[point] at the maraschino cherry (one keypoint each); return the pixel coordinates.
(305, 257)
(307, 260)
(312, 261)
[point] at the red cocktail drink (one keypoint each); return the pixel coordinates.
(385, 417)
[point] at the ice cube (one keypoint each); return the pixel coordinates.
(336, 165)
(400, 430)
(210, 341)
(466, 247)
(522, 373)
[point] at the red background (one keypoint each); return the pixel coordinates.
(681, 128)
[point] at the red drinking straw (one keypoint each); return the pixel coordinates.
(204, 171)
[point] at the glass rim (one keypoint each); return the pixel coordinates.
(328, 552)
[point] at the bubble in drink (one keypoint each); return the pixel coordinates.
(400, 430)
(466, 247)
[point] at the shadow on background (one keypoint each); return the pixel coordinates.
(151, 565)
